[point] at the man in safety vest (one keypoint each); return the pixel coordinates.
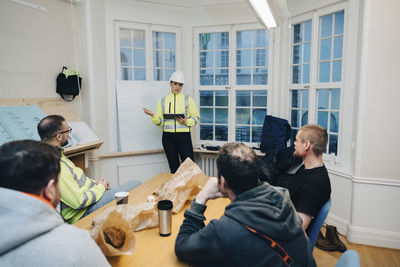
(176, 138)
(80, 195)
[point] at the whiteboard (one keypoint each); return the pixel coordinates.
(136, 132)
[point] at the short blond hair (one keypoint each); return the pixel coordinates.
(316, 135)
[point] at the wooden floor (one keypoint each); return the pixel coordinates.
(369, 256)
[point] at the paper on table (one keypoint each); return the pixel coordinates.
(81, 133)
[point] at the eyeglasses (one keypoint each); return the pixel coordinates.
(69, 130)
(175, 83)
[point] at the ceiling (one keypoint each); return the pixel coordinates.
(192, 3)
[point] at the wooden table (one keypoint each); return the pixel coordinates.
(151, 248)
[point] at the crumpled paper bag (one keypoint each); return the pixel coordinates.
(140, 216)
(184, 185)
(114, 235)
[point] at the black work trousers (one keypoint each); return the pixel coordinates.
(177, 145)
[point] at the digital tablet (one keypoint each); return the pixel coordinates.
(172, 116)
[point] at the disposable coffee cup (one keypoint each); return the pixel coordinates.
(121, 197)
(164, 217)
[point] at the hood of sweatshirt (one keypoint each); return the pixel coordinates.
(23, 218)
(268, 210)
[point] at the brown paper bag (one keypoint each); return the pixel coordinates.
(114, 236)
(184, 185)
(139, 216)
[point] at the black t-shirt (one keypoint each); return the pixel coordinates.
(309, 189)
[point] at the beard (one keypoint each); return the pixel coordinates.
(64, 143)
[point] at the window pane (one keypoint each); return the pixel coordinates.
(260, 57)
(243, 39)
(295, 98)
(126, 57)
(158, 59)
(206, 41)
(206, 77)
(325, 49)
(242, 134)
(334, 123)
(221, 115)
(333, 140)
(296, 74)
(335, 99)
(206, 98)
(169, 41)
(170, 59)
(304, 98)
(221, 77)
(243, 58)
(296, 54)
(306, 73)
(221, 98)
(221, 133)
(297, 33)
(158, 74)
(157, 40)
(307, 50)
(294, 118)
(206, 132)
(206, 115)
(304, 117)
(243, 98)
(293, 136)
(221, 59)
(243, 116)
(339, 22)
(326, 25)
(258, 116)
(139, 57)
(168, 73)
(222, 40)
(323, 99)
(260, 76)
(337, 71)
(140, 74)
(243, 76)
(138, 39)
(125, 38)
(323, 119)
(261, 38)
(324, 71)
(260, 98)
(126, 74)
(338, 47)
(307, 30)
(206, 59)
(256, 134)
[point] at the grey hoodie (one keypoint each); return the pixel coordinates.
(33, 234)
(226, 242)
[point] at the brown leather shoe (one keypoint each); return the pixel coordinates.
(332, 236)
(324, 244)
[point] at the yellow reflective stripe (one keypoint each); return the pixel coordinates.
(81, 182)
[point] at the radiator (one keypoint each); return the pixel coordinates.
(141, 171)
(209, 164)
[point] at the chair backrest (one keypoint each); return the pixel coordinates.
(349, 259)
(315, 226)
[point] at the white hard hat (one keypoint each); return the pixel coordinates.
(177, 76)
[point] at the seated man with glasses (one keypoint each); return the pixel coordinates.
(80, 195)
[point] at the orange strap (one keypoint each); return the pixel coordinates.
(275, 246)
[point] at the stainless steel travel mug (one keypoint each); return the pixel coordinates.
(164, 217)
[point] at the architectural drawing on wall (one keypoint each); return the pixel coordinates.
(19, 122)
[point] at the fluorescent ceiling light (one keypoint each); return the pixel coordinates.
(264, 12)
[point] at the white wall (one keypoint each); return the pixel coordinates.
(35, 45)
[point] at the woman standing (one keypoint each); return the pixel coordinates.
(176, 138)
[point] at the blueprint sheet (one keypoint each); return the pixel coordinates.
(19, 122)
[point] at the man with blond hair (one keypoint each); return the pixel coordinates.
(309, 187)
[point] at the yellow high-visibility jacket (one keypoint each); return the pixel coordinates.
(77, 191)
(178, 104)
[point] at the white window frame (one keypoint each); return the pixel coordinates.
(232, 87)
(314, 85)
